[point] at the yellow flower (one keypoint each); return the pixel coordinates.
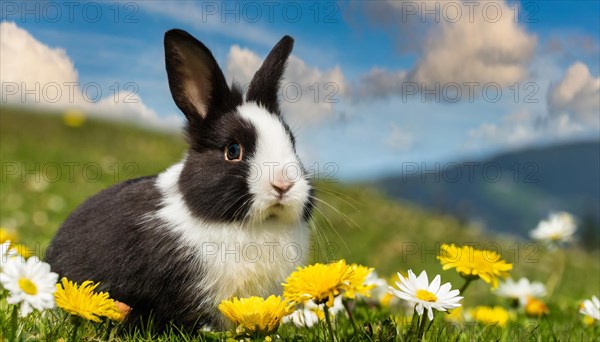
(22, 250)
(455, 315)
(588, 321)
(491, 316)
(536, 308)
(387, 299)
(357, 282)
(7, 235)
(73, 118)
(474, 263)
(255, 314)
(84, 302)
(319, 282)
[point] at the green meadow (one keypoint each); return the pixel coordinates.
(49, 168)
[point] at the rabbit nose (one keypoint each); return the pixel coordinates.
(282, 186)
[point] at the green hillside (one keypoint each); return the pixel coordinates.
(57, 167)
(48, 169)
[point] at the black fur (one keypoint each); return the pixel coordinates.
(193, 72)
(136, 261)
(265, 83)
(114, 238)
(214, 188)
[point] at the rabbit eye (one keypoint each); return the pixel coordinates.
(233, 152)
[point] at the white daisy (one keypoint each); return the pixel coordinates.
(302, 317)
(8, 253)
(558, 228)
(310, 313)
(30, 283)
(417, 290)
(379, 293)
(379, 289)
(591, 308)
(521, 290)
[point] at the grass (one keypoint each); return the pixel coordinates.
(48, 169)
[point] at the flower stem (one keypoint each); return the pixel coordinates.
(328, 320)
(13, 324)
(347, 307)
(556, 276)
(429, 325)
(465, 285)
(422, 327)
(76, 324)
(415, 318)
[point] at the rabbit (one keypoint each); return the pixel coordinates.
(225, 221)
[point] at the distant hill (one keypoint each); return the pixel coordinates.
(513, 191)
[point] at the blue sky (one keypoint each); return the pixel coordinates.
(552, 49)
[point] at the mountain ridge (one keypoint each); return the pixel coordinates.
(512, 191)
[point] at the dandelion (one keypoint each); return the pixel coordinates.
(591, 308)
(30, 283)
(387, 299)
(7, 235)
(319, 282)
(559, 228)
(424, 295)
(256, 315)
(82, 301)
(520, 290)
(491, 315)
(588, 321)
(455, 315)
(22, 250)
(357, 282)
(536, 308)
(472, 264)
(73, 118)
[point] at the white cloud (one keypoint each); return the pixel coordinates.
(573, 111)
(484, 50)
(38, 75)
(241, 65)
(26, 60)
(129, 107)
(514, 130)
(576, 97)
(477, 47)
(524, 128)
(308, 94)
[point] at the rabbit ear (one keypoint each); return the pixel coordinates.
(265, 83)
(197, 83)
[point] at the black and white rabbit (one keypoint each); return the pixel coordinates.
(228, 220)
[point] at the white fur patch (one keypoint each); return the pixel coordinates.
(236, 260)
(274, 157)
